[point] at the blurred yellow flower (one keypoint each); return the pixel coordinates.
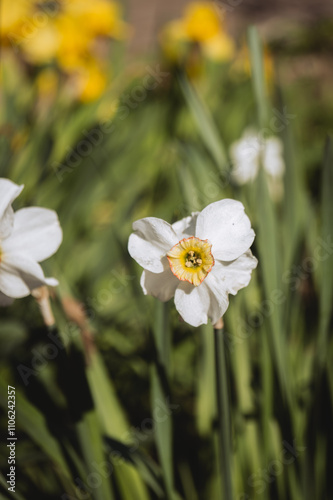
(74, 44)
(13, 14)
(242, 64)
(219, 48)
(71, 33)
(268, 66)
(201, 22)
(200, 26)
(91, 81)
(40, 48)
(101, 17)
(172, 39)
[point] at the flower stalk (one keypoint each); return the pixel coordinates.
(223, 412)
(159, 391)
(42, 298)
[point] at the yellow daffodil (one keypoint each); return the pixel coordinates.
(74, 44)
(13, 15)
(42, 46)
(173, 39)
(100, 17)
(219, 48)
(91, 82)
(72, 33)
(200, 28)
(201, 22)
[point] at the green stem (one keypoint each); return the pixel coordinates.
(224, 431)
(159, 386)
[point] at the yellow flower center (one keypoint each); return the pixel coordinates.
(191, 260)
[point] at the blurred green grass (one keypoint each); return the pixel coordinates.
(166, 157)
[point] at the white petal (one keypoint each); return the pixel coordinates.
(193, 303)
(5, 301)
(244, 171)
(150, 242)
(159, 285)
(36, 233)
(236, 274)
(248, 147)
(245, 154)
(210, 299)
(186, 227)
(273, 161)
(198, 304)
(227, 227)
(6, 223)
(218, 296)
(19, 275)
(51, 282)
(8, 192)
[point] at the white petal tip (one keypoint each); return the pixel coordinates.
(52, 282)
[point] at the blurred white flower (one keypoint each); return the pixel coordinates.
(247, 152)
(199, 260)
(245, 157)
(273, 157)
(27, 237)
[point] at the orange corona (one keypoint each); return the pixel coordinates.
(191, 260)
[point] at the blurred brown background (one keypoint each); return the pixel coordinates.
(275, 18)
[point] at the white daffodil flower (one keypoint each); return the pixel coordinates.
(199, 260)
(27, 237)
(247, 152)
(245, 157)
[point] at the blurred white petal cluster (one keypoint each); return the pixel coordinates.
(249, 151)
(27, 237)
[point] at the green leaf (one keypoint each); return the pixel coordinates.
(205, 124)
(206, 395)
(32, 422)
(294, 203)
(114, 424)
(258, 74)
(267, 237)
(270, 265)
(95, 459)
(326, 283)
(111, 414)
(163, 426)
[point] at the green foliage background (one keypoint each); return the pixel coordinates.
(135, 416)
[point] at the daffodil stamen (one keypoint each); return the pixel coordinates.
(191, 260)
